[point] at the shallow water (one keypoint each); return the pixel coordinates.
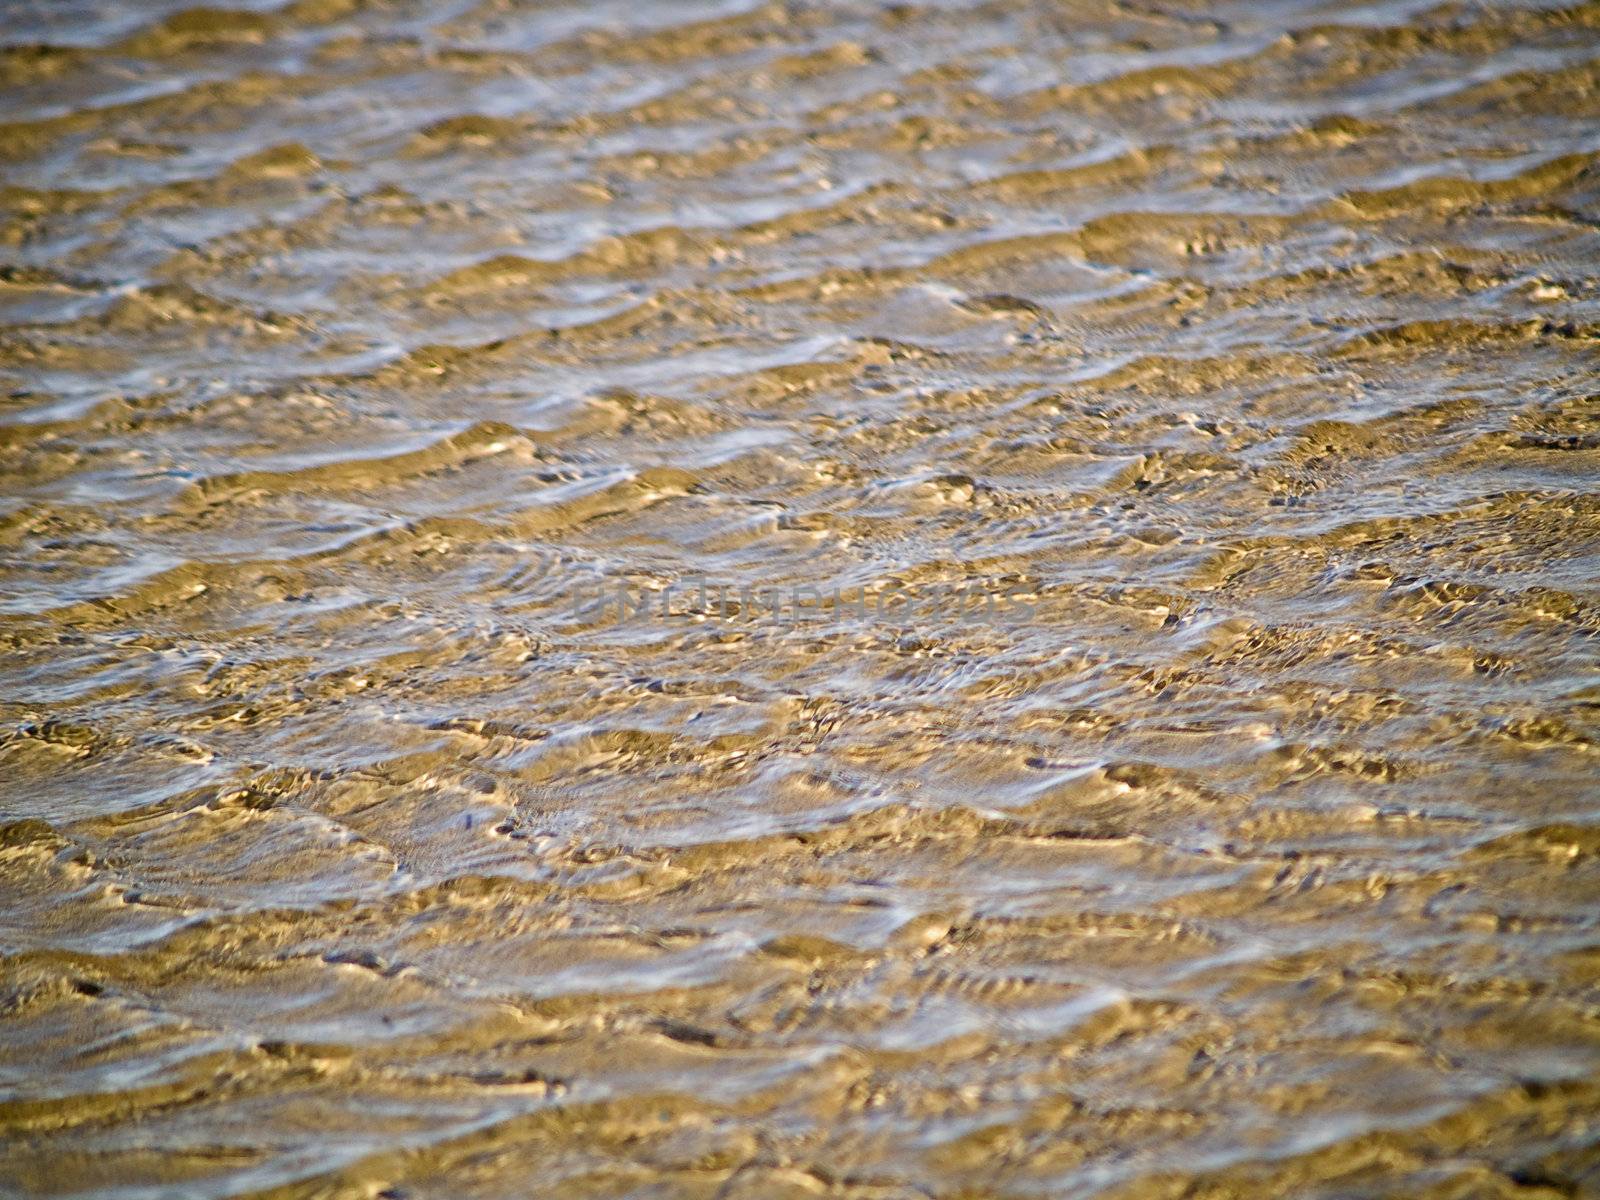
(713, 600)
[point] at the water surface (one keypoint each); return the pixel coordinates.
(1245, 842)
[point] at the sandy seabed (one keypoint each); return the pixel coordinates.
(1179, 424)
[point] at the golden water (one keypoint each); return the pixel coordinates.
(1244, 842)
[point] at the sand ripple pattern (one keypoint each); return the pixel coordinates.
(1251, 348)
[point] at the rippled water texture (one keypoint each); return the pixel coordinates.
(1248, 845)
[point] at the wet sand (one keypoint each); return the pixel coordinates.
(1175, 424)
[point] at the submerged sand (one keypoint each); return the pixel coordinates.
(1179, 780)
